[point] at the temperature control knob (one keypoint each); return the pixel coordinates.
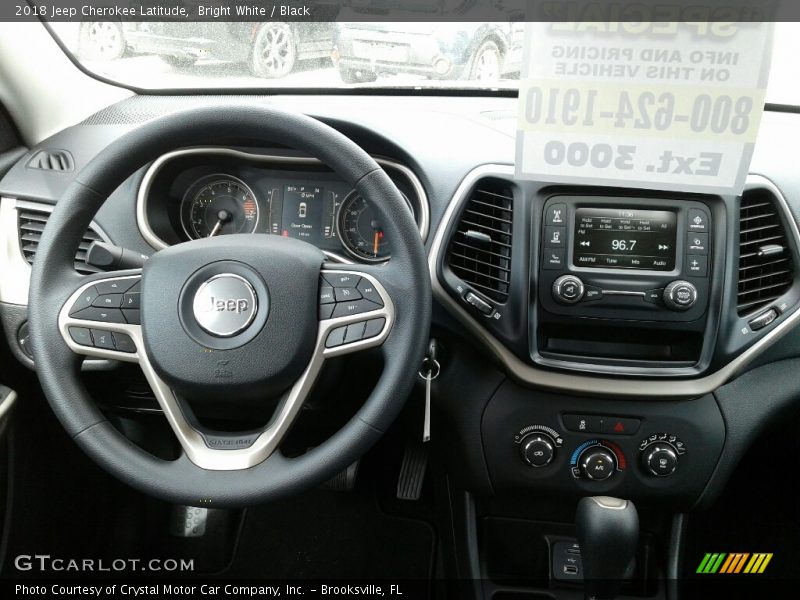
(568, 289)
(597, 463)
(537, 449)
(680, 295)
(660, 459)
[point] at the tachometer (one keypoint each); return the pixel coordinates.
(360, 231)
(219, 205)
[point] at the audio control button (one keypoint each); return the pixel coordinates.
(654, 296)
(592, 293)
(680, 295)
(553, 258)
(697, 265)
(568, 289)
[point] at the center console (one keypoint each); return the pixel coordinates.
(623, 283)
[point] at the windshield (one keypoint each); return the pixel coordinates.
(325, 55)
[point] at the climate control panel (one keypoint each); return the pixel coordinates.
(579, 446)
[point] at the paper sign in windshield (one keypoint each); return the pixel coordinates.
(668, 106)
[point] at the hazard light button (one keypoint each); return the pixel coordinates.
(620, 425)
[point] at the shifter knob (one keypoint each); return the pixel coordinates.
(608, 532)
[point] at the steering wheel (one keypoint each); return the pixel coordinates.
(231, 317)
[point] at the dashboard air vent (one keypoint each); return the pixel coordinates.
(31, 224)
(52, 160)
(480, 251)
(765, 262)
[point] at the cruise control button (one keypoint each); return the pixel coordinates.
(114, 286)
(123, 342)
(130, 300)
(355, 332)
(132, 316)
(342, 280)
(347, 294)
(81, 336)
(336, 337)
(373, 328)
(583, 423)
(137, 287)
(326, 295)
(84, 300)
(101, 315)
(369, 292)
(108, 301)
(344, 309)
(103, 339)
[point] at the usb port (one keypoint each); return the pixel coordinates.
(573, 550)
(570, 570)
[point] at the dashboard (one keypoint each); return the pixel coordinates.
(205, 192)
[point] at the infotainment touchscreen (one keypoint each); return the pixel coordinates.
(622, 238)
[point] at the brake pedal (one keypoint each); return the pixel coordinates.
(412, 472)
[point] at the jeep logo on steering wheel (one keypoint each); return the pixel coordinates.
(225, 305)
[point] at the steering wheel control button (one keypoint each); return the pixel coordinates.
(660, 460)
(537, 450)
(225, 305)
(356, 307)
(568, 289)
(347, 294)
(132, 300)
(342, 280)
(81, 336)
(479, 303)
(336, 337)
(326, 311)
(680, 295)
(583, 423)
(598, 463)
(132, 316)
(114, 286)
(373, 328)
(326, 295)
(136, 288)
(355, 333)
(103, 339)
(123, 342)
(108, 301)
(368, 292)
(84, 301)
(101, 315)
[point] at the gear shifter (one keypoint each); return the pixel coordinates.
(608, 532)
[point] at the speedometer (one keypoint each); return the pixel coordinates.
(219, 205)
(360, 231)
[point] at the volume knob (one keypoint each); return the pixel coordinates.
(568, 289)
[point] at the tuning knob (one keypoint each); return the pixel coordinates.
(660, 459)
(597, 463)
(680, 295)
(537, 449)
(568, 289)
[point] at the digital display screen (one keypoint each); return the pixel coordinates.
(622, 238)
(302, 212)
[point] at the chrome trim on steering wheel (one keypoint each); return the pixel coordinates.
(192, 440)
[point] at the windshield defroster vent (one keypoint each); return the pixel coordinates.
(766, 270)
(480, 250)
(31, 225)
